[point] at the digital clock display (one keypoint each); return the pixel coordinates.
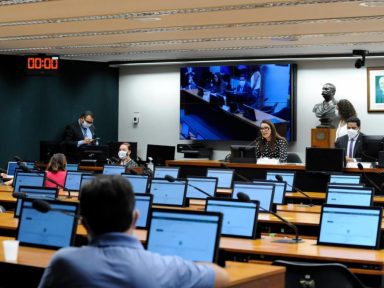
(42, 64)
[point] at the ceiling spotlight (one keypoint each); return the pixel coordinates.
(360, 62)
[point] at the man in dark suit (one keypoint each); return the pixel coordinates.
(352, 142)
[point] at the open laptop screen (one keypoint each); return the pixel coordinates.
(12, 166)
(139, 182)
(349, 196)
(191, 235)
(350, 226)
(224, 176)
(280, 187)
(263, 193)
(207, 184)
(72, 166)
(288, 176)
(28, 179)
(160, 172)
(54, 229)
(143, 205)
(113, 169)
(73, 179)
(345, 178)
(168, 193)
(239, 218)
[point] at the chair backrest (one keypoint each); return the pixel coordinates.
(292, 157)
(318, 275)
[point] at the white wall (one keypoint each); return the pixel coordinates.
(154, 93)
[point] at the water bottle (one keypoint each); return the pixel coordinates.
(150, 164)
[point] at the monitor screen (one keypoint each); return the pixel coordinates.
(73, 180)
(94, 154)
(113, 169)
(288, 176)
(279, 195)
(160, 172)
(239, 218)
(371, 145)
(191, 235)
(139, 182)
(349, 196)
(207, 184)
(263, 193)
(324, 159)
(54, 229)
(341, 178)
(72, 166)
(143, 205)
(168, 193)
(350, 226)
(86, 178)
(11, 169)
(224, 176)
(160, 153)
(243, 154)
(28, 179)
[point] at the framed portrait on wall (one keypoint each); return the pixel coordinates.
(375, 89)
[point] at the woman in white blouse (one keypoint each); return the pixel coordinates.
(346, 110)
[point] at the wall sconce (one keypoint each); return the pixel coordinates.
(360, 62)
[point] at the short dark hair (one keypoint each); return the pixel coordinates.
(107, 204)
(86, 113)
(354, 119)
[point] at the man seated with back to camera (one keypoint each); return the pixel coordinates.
(352, 142)
(114, 257)
(125, 151)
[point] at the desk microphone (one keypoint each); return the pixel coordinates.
(23, 196)
(280, 179)
(169, 178)
(18, 159)
(235, 172)
(44, 207)
(361, 168)
(245, 198)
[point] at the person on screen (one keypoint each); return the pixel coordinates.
(243, 87)
(82, 132)
(256, 88)
(218, 85)
(114, 257)
(124, 154)
(56, 171)
(380, 90)
(325, 110)
(270, 144)
(352, 142)
(345, 110)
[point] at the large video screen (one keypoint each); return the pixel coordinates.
(229, 102)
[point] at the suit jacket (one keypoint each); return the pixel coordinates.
(74, 133)
(342, 142)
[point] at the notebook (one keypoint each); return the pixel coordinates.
(73, 179)
(161, 171)
(54, 229)
(288, 176)
(224, 176)
(191, 235)
(239, 218)
(27, 179)
(113, 169)
(139, 182)
(168, 193)
(350, 226)
(45, 193)
(279, 195)
(344, 178)
(207, 184)
(263, 193)
(355, 196)
(72, 166)
(143, 205)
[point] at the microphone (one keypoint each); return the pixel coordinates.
(44, 207)
(170, 178)
(280, 179)
(361, 168)
(17, 158)
(19, 195)
(245, 198)
(236, 173)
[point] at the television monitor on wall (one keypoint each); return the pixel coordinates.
(232, 108)
(372, 144)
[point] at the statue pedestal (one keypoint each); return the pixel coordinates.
(323, 137)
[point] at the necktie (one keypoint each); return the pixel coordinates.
(350, 150)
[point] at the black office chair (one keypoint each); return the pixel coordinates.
(293, 157)
(318, 275)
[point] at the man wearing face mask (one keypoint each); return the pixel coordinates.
(352, 142)
(82, 132)
(125, 156)
(326, 109)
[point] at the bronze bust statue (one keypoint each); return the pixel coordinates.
(325, 110)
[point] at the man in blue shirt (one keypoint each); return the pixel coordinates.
(114, 257)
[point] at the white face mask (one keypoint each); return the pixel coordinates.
(352, 133)
(242, 83)
(122, 154)
(86, 124)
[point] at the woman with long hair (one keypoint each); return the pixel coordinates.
(56, 171)
(346, 110)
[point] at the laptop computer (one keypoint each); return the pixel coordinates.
(279, 195)
(350, 226)
(161, 171)
(288, 176)
(342, 178)
(11, 168)
(45, 193)
(263, 193)
(168, 193)
(224, 176)
(113, 169)
(139, 182)
(28, 179)
(239, 218)
(73, 180)
(207, 184)
(143, 205)
(72, 166)
(54, 229)
(355, 196)
(191, 235)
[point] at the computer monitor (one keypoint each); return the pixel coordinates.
(261, 192)
(371, 146)
(139, 183)
(53, 229)
(207, 184)
(287, 176)
(355, 196)
(168, 193)
(279, 195)
(324, 159)
(224, 176)
(93, 155)
(243, 154)
(113, 169)
(192, 235)
(86, 178)
(143, 205)
(72, 166)
(239, 218)
(73, 180)
(350, 226)
(249, 112)
(161, 172)
(28, 179)
(11, 168)
(160, 153)
(342, 178)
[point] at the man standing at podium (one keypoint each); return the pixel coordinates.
(81, 132)
(352, 142)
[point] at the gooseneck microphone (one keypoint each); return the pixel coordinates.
(361, 168)
(17, 158)
(44, 207)
(280, 179)
(245, 198)
(170, 178)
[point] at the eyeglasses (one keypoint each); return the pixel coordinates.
(264, 128)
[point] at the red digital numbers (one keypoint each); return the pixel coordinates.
(42, 63)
